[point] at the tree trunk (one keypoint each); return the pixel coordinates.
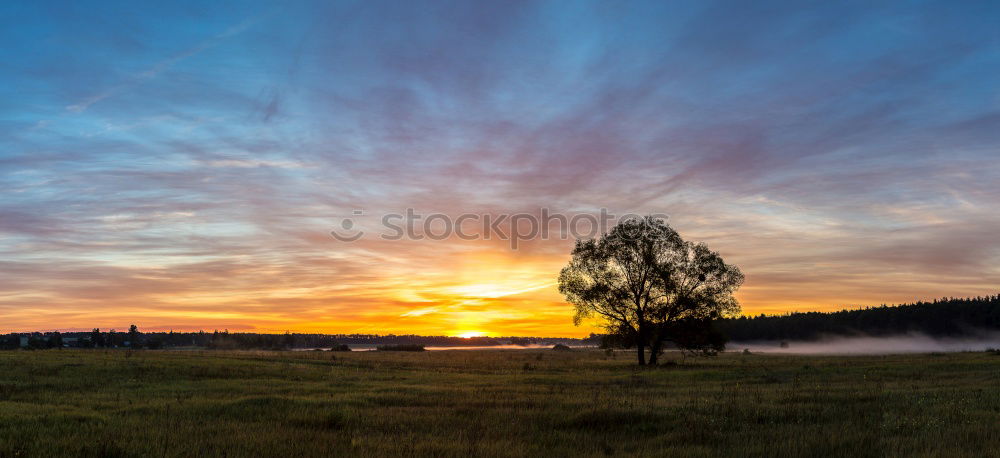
(640, 342)
(654, 351)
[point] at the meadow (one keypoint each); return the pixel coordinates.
(494, 403)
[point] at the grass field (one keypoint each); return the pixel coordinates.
(494, 403)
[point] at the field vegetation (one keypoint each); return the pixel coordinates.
(494, 403)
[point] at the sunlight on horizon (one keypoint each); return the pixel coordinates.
(190, 171)
(469, 334)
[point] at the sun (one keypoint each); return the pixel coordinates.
(468, 334)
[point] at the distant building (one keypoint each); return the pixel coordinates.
(24, 341)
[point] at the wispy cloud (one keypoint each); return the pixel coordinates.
(160, 67)
(838, 153)
(252, 163)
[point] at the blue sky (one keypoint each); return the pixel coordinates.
(181, 164)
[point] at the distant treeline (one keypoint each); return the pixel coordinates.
(947, 317)
(225, 340)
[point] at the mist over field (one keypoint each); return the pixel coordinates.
(866, 345)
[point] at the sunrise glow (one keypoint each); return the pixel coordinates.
(196, 170)
(468, 334)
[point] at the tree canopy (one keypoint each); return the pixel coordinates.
(646, 283)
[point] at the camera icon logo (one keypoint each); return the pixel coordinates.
(347, 232)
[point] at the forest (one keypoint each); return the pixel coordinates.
(947, 317)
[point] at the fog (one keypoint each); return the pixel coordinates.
(907, 343)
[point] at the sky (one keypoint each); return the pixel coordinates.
(182, 165)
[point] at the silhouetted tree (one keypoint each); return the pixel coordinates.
(645, 282)
(55, 340)
(10, 341)
(96, 338)
(697, 288)
(133, 336)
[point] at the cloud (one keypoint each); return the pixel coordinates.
(253, 163)
(160, 67)
(838, 154)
